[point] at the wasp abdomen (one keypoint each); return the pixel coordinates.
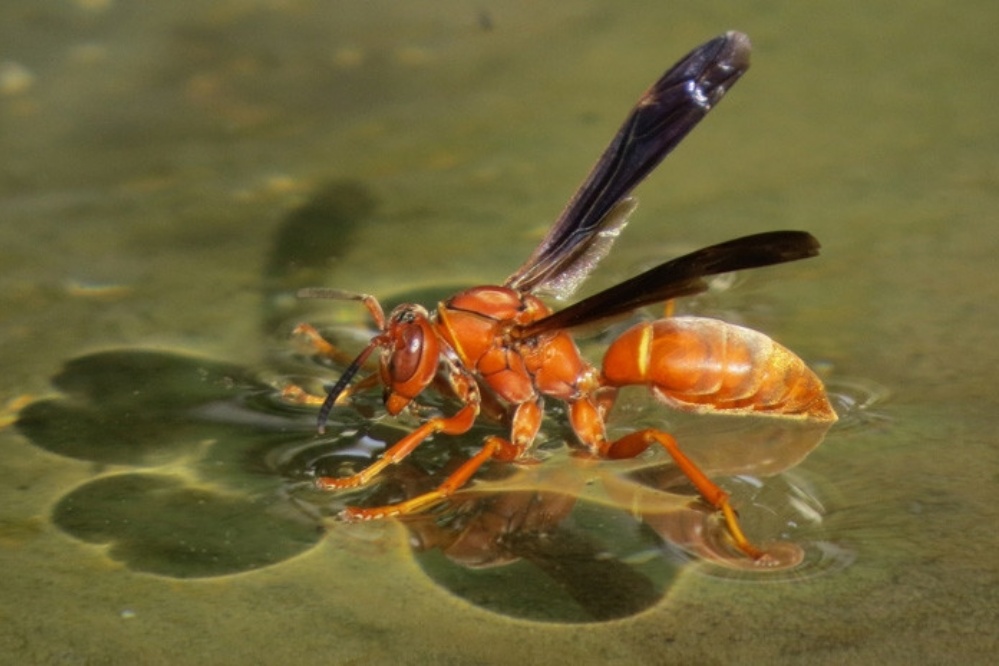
(700, 364)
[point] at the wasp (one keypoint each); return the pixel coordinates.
(502, 344)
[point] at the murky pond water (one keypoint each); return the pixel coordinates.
(171, 174)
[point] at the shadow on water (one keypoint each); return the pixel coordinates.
(177, 492)
(309, 241)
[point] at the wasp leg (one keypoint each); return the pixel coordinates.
(495, 447)
(632, 444)
(526, 423)
(586, 416)
(296, 395)
(320, 345)
(464, 387)
(457, 424)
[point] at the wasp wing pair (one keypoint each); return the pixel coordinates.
(598, 211)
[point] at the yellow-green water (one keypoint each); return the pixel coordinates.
(157, 162)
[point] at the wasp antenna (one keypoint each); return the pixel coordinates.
(341, 385)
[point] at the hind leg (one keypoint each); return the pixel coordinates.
(587, 421)
(631, 445)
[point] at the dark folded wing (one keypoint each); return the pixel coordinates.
(660, 120)
(679, 277)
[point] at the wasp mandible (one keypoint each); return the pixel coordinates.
(505, 341)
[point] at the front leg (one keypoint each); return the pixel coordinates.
(457, 424)
(295, 394)
(464, 387)
(320, 345)
(526, 423)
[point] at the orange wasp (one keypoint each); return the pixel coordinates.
(503, 344)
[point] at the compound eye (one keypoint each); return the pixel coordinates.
(407, 355)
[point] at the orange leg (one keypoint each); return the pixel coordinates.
(631, 445)
(296, 395)
(495, 447)
(322, 347)
(314, 338)
(526, 422)
(587, 421)
(453, 425)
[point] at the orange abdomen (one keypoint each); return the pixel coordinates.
(700, 364)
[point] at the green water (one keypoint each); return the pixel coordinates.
(158, 164)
